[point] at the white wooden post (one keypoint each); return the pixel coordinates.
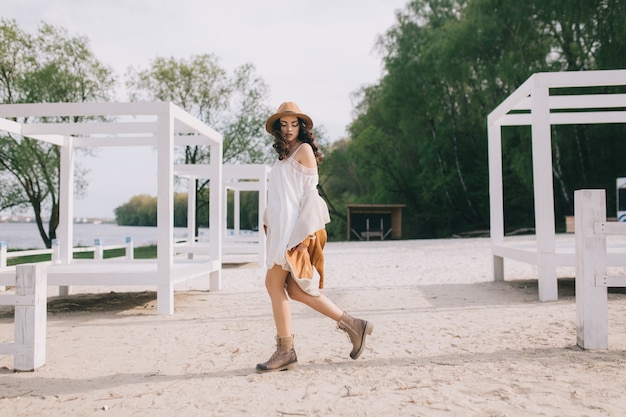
(56, 253)
(3, 254)
(237, 212)
(57, 258)
(591, 300)
(191, 214)
(543, 190)
(165, 210)
(66, 197)
(130, 249)
(3, 259)
(30, 317)
(225, 212)
(496, 197)
(98, 252)
(216, 213)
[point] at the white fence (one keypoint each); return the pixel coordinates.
(29, 346)
(98, 250)
(591, 229)
(7, 272)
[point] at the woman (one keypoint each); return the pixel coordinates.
(295, 222)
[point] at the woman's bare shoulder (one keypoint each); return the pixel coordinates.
(306, 156)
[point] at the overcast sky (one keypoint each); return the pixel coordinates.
(314, 52)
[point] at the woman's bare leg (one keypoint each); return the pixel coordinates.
(275, 285)
(321, 304)
(285, 355)
(357, 329)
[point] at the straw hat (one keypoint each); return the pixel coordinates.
(288, 108)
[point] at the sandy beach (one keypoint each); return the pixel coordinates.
(447, 342)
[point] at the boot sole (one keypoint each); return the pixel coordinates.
(369, 327)
(287, 367)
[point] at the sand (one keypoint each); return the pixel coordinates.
(447, 342)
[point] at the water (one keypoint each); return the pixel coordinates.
(26, 235)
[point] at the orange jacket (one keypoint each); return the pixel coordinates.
(303, 262)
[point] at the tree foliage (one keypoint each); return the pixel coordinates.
(141, 210)
(51, 66)
(234, 105)
(419, 135)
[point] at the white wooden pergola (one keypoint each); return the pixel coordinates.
(161, 125)
(238, 178)
(532, 104)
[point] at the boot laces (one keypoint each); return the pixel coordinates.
(274, 355)
(350, 335)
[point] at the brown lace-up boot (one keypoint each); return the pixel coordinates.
(283, 359)
(357, 330)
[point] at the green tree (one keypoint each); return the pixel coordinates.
(51, 66)
(141, 210)
(248, 210)
(419, 135)
(338, 185)
(180, 209)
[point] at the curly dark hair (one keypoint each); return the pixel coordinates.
(305, 135)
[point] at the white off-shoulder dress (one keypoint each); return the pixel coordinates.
(294, 211)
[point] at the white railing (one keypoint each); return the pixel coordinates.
(29, 346)
(592, 280)
(239, 245)
(98, 250)
(5, 255)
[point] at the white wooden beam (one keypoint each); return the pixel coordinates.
(114, 141)
(195, 124)
(89, 128)
(10, 126)
(80, 109)
(598, 78)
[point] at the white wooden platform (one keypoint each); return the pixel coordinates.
(564, 254)
(536, 104)
(136, 273)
